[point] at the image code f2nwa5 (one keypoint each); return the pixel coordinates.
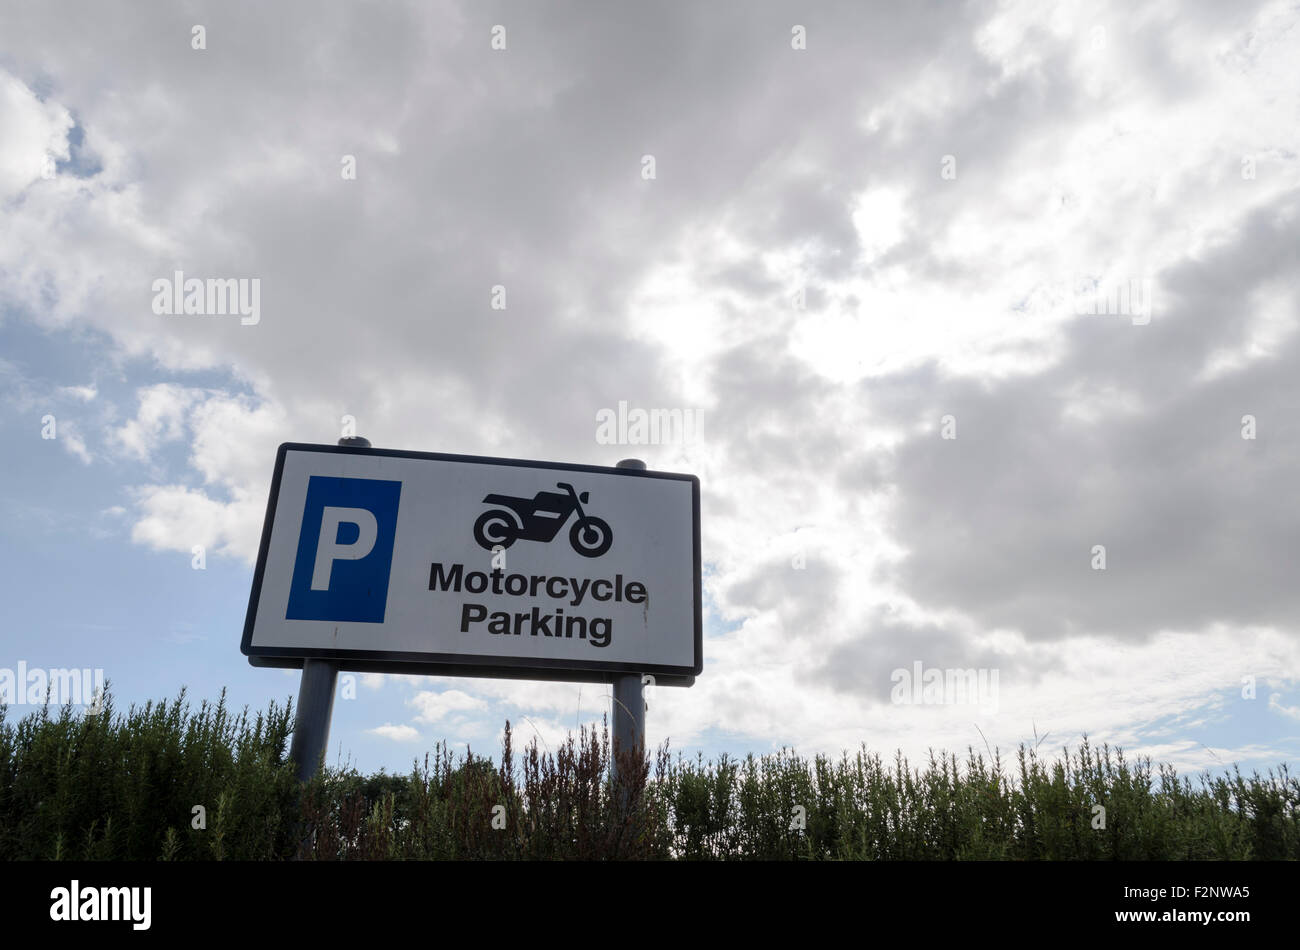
(420, 562)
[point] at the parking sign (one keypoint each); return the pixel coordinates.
(415, 562)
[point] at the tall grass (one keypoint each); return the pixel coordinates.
(125, 785)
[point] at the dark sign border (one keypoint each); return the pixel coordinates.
(465, 664)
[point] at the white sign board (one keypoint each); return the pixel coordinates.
(423, 563)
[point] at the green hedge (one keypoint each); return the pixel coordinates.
(130, 786)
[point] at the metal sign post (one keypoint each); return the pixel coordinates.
(628, 703)
(311, 725)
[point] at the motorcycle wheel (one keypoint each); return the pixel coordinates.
(506, 532)
(591, 537)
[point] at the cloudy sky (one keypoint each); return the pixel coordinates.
(969, 300)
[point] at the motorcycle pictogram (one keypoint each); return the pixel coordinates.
(539, 519)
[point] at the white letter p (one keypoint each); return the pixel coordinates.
(328, 550)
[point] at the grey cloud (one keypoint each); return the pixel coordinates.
(863, 666)
(1198, 524)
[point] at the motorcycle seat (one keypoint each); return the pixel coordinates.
(549, 502)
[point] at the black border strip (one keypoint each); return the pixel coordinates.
(465, 664)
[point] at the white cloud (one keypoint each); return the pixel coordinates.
(1275, 704)
(74, 443)
(401, 733)
(159, 418)
(433, 706)
(232, 444)
(550, 734)
(175, 518)
(82, 393)
(34, 132)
